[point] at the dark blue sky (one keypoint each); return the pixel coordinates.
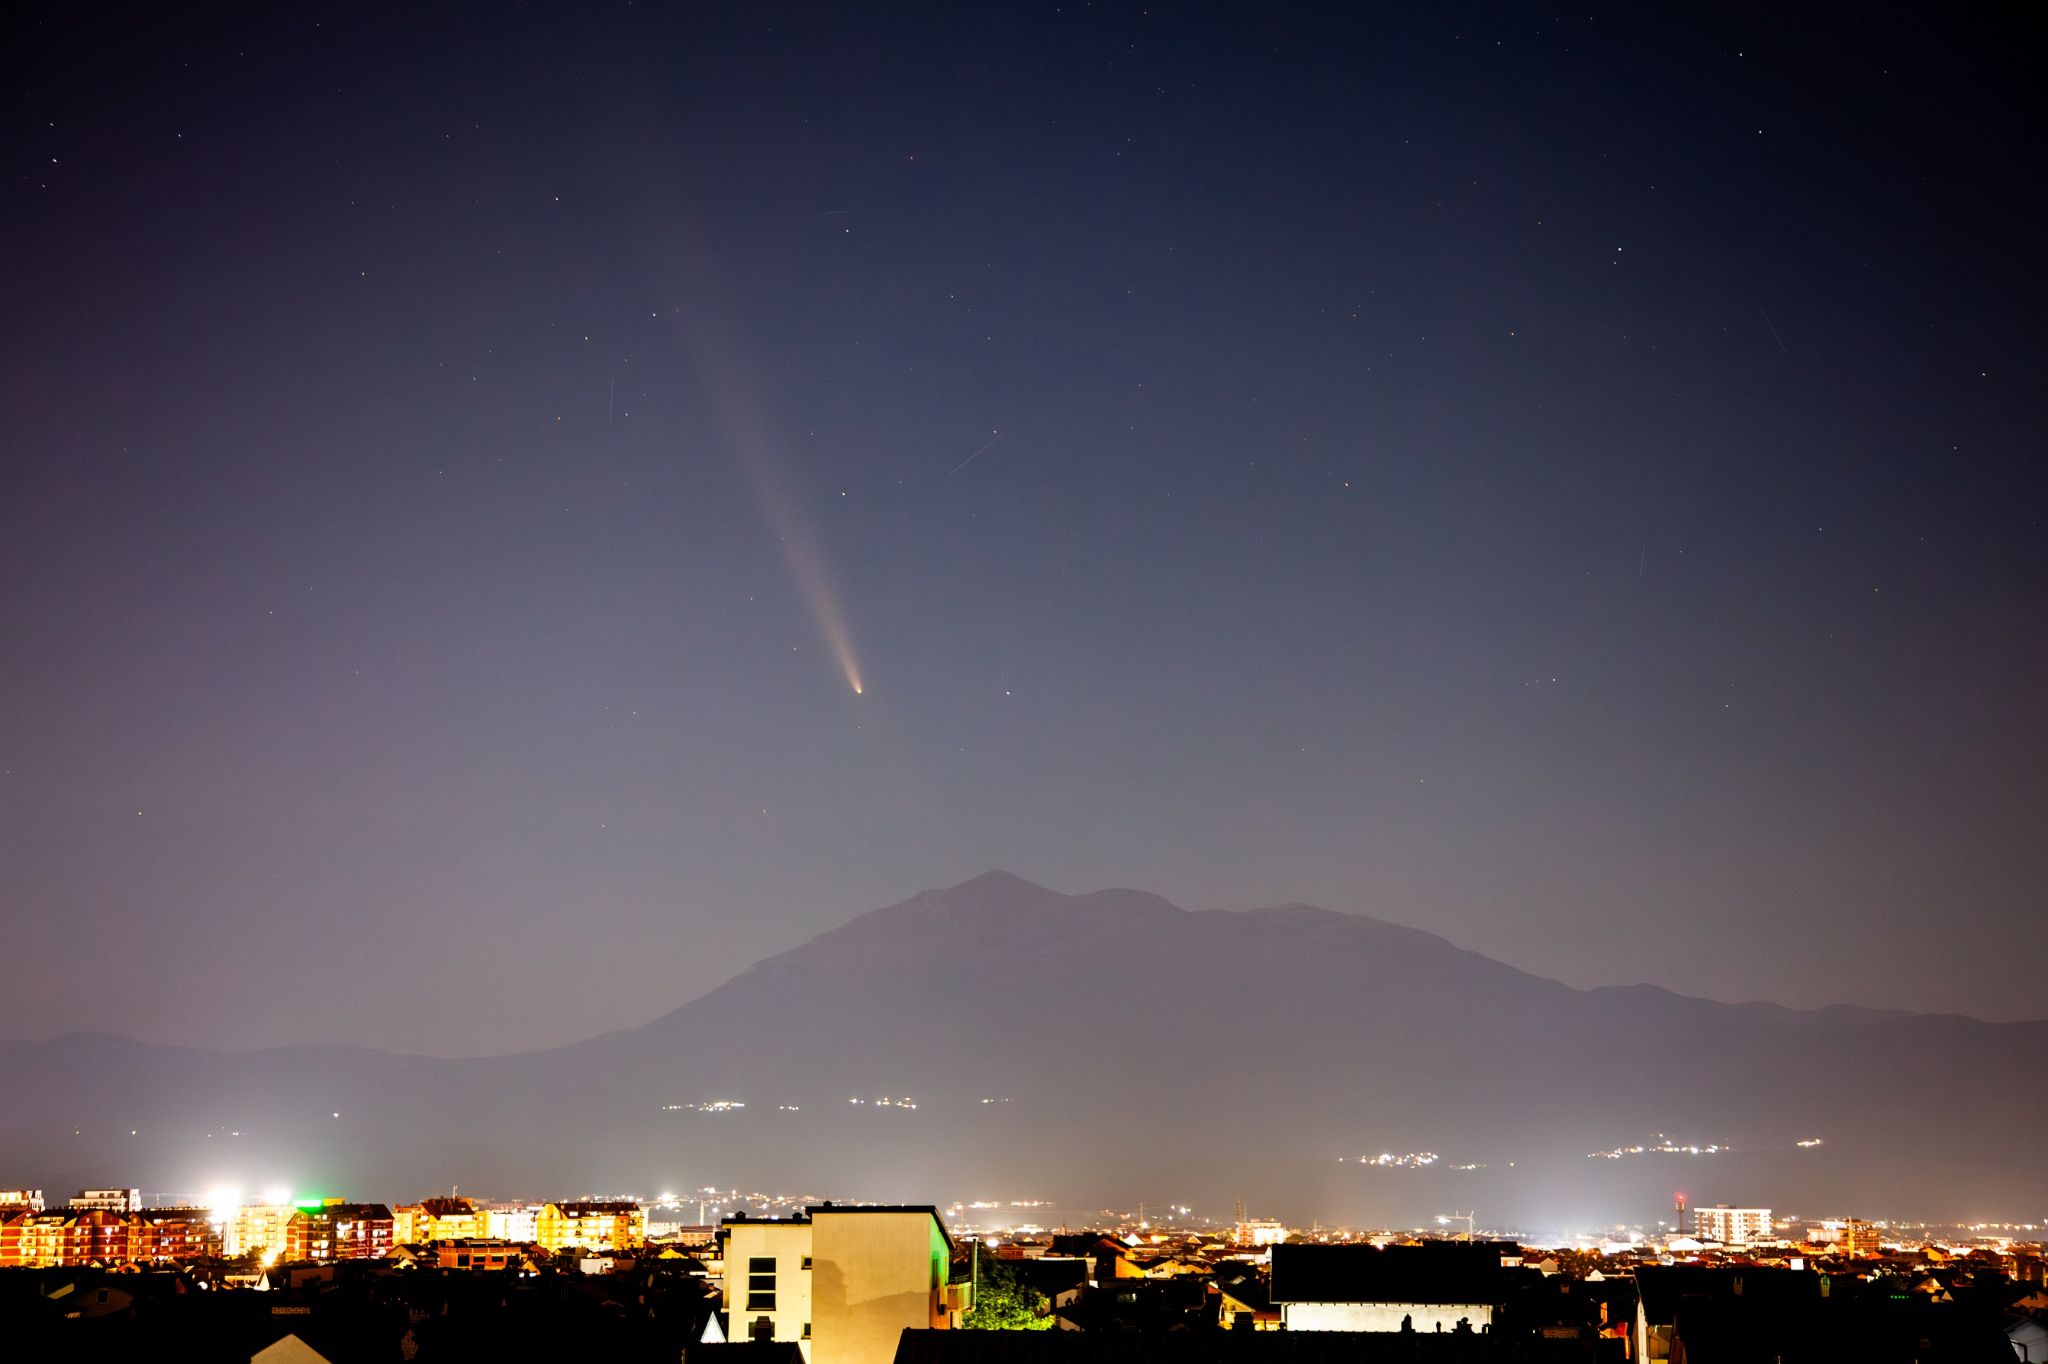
(1567, 482)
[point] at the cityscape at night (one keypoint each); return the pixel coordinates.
(723, 1265)
(1061, 682)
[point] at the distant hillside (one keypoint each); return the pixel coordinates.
(1107, 1046)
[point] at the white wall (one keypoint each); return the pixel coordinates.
(512, 1224)
(1381, 1316)
(790, 1244)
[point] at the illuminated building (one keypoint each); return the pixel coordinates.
(1259, 1232)
(107, 1200)
(513, 1222)
(28, 1239)
(843, 1283)
(768, 1280)
(439, 1219)
(1731, 1226)
(590, 1226)
(17, 1237)
(334, 1230)
(256, 1229)
(33, 1239)
(170, 1235)
(1857, 1237)
(95, 1237)
(21, 1200)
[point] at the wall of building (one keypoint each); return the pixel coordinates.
(788, 1244)
(257, 1229)
(571, 1226)
(1732, 1226)
(872, 1275)
(513, 1224)
(1383, 1316)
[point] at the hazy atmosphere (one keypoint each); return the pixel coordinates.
(511, 517)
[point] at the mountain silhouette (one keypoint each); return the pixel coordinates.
(1108, 1048)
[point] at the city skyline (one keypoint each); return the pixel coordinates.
(664, 1214)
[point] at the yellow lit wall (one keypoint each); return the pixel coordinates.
(569, 1226)
(873, 1274)
(257, 1229)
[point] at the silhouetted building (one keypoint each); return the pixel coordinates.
(1436, 1285)
(478, 1253)
(1663, 1291)
(1235, 1347)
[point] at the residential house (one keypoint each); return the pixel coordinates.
(1438, 1285)
(335, 1230)
(1663, 1290)
(171, 1235)
(596, 1225)
(439, 1219)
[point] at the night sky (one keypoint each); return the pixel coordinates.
(1568, 482)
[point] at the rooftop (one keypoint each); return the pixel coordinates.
(1434, 1272)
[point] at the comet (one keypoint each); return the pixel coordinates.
(806, 565)
(740, 410)
(741, 413)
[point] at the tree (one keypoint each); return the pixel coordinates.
(1001, 1302)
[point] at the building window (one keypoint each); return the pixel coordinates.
(807, 1262)
(761, 1283)
(807, 1330)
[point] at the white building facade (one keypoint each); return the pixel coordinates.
(843, 1283)
(1732, 1226)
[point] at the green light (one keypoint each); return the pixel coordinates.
(311, 1204)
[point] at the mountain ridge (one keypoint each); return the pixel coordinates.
(948, 898)
(1095, 1043)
